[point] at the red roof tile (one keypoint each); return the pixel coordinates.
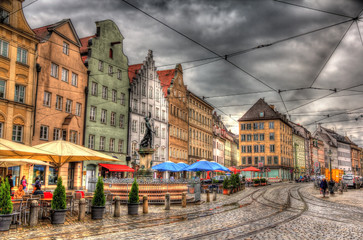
(84, 43)
(133, 71)
(84, 58)
(41, 32)
(165, 77)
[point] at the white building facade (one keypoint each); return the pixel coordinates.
(146, 96)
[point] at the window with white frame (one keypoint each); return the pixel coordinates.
(142, 127)
(59, 103)
(69, 106)
(134, 126)
(2, 88)
(43, 132)
(113, 119)
(102, 143)
(17, 133)
(143, 108)
(121, 122)
(19, 93)
(135, 105)
(73, 137)
(150, 92)
(78, 109)
(65, 48)
(114, 95)
(22, 55)
(118, 74)
(163, 131)
(92, 113)
(120, 145)
(100, 66)
(4, 48)
(104, 116)
(94, 88)
(104, 92)
(163, 115)
(54, 70)
(56, 134)
(156, 131)
(157, 110)
(65, 73)
(143, 90)
(122, 101)
(47, 98)
(112, 145)
(91, 141)
(74, 79)
(110, 70)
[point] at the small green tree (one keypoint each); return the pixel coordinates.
(6, 206)
(226, 183)
(59, 196)
(134, 193)
(234, 180)
(99, 199)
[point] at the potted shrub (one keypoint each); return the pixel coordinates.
(59, 204)
(263, 182)
(6, 206)
(133, 203)
(234, 182)
(98, 201)
(225, 186)
(256, 182)
(238, 180)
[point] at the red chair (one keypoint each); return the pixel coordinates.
(48, 195)
(82, 193)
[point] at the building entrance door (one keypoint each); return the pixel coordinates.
(71, 169)
(91, 180)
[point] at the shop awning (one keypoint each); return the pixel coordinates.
(117, 167)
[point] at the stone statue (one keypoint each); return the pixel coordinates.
(147, 141)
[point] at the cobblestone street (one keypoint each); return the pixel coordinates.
(279, 211)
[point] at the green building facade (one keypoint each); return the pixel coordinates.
(107, 105)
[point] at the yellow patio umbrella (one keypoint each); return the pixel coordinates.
(9, 149)
(16, 162)
(64, 152)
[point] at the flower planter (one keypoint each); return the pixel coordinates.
(256, 184)
(5, 221)
(263, 184)
(133, 208)
(225, 191)
(191, 190)
(97, 212)
(58, 216)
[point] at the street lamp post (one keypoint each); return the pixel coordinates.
(331, 189)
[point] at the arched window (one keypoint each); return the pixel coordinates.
(150, 92)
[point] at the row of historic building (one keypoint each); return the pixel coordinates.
(55, 85)
(267, 139)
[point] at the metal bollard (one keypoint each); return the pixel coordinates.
(184, 200)
(117, 212)
(145, 204)
(215, 195)
(167, 201)
(34, 213)
(82, 209)
(208, 195)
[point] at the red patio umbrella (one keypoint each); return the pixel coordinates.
(234, 170)
(251, 169)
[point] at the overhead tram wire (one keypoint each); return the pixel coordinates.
(334, 115)
(20, 9)
(287, 111)
(331, 54)
(359, 33)
(237, 94)
(201, 45)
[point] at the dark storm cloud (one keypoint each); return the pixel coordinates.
(230, 26)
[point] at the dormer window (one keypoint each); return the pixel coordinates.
(4, 16)
(111, 53)
(262, 114)
(65, 48)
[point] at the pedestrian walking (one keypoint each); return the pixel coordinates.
(323, 186)
(24, 183)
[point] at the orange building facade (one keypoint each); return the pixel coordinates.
(60, 98)
(176, 92)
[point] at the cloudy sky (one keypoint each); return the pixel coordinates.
(327, 62)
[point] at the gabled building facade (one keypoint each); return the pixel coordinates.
(330, 147)
(266, 140)
(200, 129)
(60, 98)
(219, 139)
(176, 92)
(107, 99)
(147, 96)
(18, 74)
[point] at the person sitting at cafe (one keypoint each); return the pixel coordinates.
(38, 191)
(19, 193)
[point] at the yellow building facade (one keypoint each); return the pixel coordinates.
(17, 78)
(265, 141)
(200, 129)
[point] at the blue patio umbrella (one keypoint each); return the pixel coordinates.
(167, 166)
(182, 166)
(221, 167)
(202, 165)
